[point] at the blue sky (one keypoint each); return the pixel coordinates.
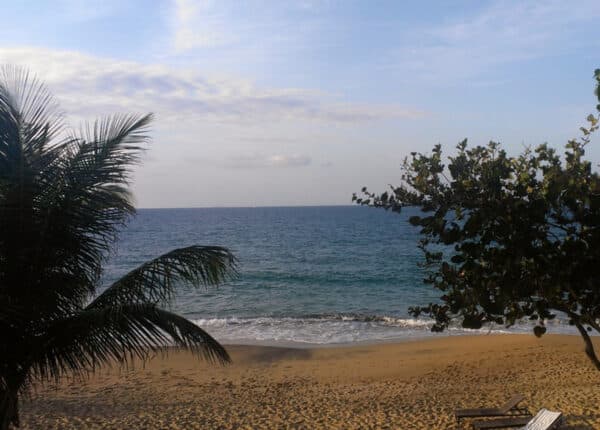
(294, 103)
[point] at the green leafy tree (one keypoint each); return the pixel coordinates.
(507, 238)
(63, 198)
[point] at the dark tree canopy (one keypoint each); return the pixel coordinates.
(507, 238)
(63, 198)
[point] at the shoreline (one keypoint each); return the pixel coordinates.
(339, 329)
(375, 342)
(414, 384)
(371, 342)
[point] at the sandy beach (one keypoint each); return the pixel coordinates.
(410, 385)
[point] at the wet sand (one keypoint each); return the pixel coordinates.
(409, 385)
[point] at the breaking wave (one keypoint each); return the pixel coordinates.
(333, 329)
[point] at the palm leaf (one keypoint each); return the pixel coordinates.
(29, 119)
(82, 200)
(29, 115)
(100, 335)
(91, 201)
(155, 280)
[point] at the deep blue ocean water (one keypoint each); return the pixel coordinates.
(307, 275)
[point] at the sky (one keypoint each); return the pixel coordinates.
(278, 103)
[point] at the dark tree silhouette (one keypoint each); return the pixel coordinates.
(507, 238)
(63, 198)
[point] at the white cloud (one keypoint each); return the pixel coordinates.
(88, 86)
(503, 33)
(289, 160)
(196, 25)
(261, 161)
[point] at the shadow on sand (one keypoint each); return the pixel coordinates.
(578, 422)
(266, 355)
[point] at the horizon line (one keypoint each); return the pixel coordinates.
(248, 207)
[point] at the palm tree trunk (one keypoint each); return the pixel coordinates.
(9, 408)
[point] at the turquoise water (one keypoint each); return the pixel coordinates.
(312, 275)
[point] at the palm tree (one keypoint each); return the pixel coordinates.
(63, 198)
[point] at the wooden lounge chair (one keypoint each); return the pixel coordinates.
(544, 420)
(509, 408)
(501, 423)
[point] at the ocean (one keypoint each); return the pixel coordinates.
(307, 275)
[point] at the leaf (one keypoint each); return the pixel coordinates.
(97, 336)
(457, 259)
(472, 322)
(155, 280)
(539, 331)
(414, 220)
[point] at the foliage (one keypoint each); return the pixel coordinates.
(63, 198)
(507, 238)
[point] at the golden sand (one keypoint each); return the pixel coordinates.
(410, 385)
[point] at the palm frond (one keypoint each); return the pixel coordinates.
(98, 166)
(29, 119)
(28, 111)
(155, 280)
(117, 333)
(84, 207)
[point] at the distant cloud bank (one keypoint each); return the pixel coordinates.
(261, 161)
(88, 86)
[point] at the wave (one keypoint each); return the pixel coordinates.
(332, 329)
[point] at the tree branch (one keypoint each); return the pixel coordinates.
(589, 346)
